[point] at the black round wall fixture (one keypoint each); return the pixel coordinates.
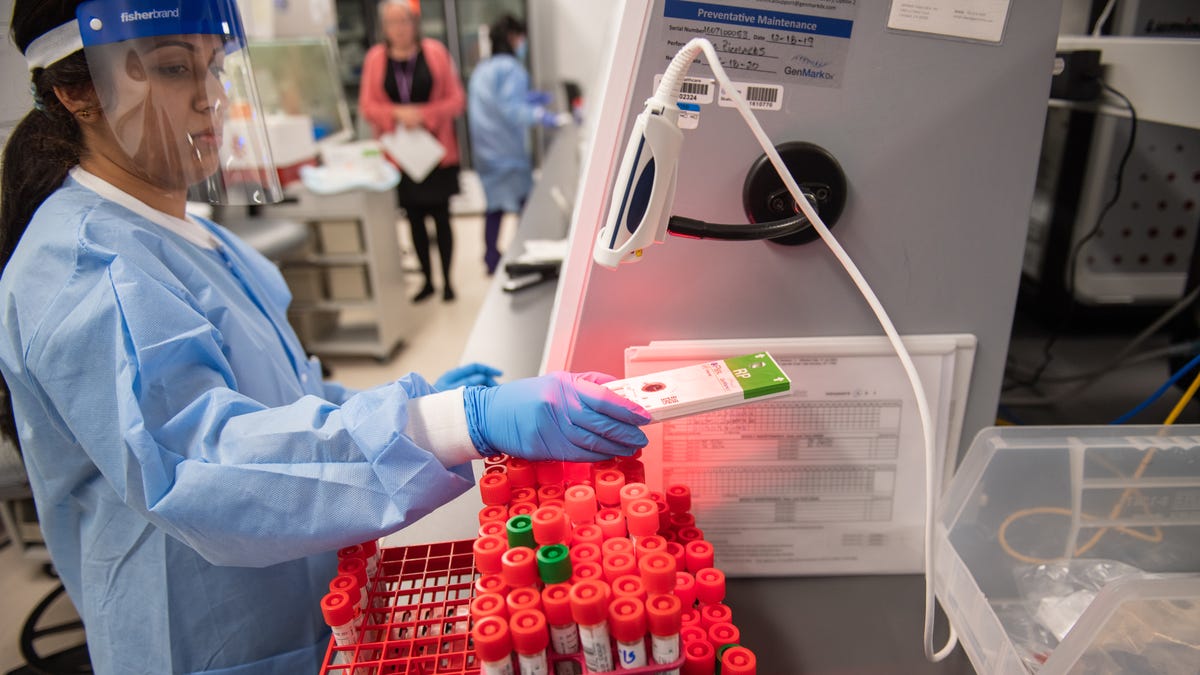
(766, 198)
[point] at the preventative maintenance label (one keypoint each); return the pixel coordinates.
(705, 386)
(766, 46)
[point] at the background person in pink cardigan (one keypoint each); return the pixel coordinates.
(412, 81)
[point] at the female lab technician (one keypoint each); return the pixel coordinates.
(192, 472)
(500, 111)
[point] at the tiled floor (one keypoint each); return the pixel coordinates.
(434, 345)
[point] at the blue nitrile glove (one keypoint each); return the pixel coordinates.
(541, 98)
(558, 416)
(466, 376)
(550, 119)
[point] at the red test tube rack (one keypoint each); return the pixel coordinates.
(543, 530)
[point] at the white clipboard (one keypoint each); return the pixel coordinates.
(415, 150)
(828, 480)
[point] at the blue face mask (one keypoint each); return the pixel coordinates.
(522, 50)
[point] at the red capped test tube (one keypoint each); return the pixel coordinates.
(356, 568)
(663, 614)
(627, 621)
(629, 586)
(549, 472)
(518, 566)
(634, 470)
(586, 570)
(588, 533)
(523, 494)
(664, 517)
(687, 534)
(493, 527)
(679, 498)
(714, 614)
(550, 493)
(699, 658)
(521, 473)
(581, 504)
(618, 564)
(577, 473)
(550, 526)
(564, 634)
(493, 646)
(530, 639)
(651, 544)
(494, 489)
(724, 633)
(710, 586)
(738, 661)
(658, 572)
(523, 598)
(616, 545)
(488, 551)
(581, 553)
(348, 584)
(488, 604)
(682, 520)
(691, 632)
(685, 589)
(522, 508)
(641, 518)
(631, 491)
(608, 487)
(494, 512)
(677, 551)
(699, 555)
(589, 608)
(491, 583)
(341, 614)
(611, 522)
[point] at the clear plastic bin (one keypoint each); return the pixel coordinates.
(1074, 550)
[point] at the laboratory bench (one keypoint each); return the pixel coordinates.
(802, 625)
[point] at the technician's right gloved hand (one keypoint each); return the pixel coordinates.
(550, 119)
(558, 416)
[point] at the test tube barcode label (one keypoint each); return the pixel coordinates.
(665, 650)
(596, 654)
(564, 639)
(533, 664)
(632, 654)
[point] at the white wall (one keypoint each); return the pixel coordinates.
(569, 39)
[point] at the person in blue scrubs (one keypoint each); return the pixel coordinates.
(193, 473)
(500, 111)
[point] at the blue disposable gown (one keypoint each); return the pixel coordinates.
(499, 117)
(192, 472)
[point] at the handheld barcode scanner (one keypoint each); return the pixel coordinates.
(644, 189)
(645, 186)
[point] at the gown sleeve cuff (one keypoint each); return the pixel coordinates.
(438, 423)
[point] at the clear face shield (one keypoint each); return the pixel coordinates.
(175, 86)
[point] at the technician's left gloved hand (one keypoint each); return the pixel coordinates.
(559, 416)
(540, 98)
(466, 376)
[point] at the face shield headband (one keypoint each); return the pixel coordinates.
(175, 86)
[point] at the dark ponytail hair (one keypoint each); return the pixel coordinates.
(42, 147)
(47, 142)
(501, 30)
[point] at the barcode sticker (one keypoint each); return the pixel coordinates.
(759, 96)
(693, 89)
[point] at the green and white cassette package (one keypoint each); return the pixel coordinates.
(707, 386)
